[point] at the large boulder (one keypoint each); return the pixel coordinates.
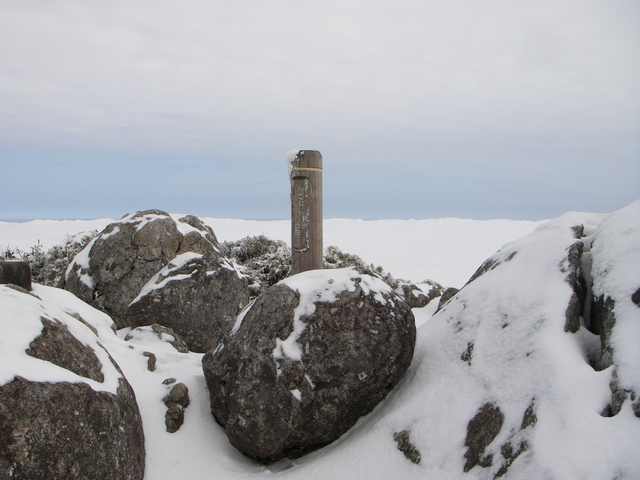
(66, 410)
(313, 354)
(197, 296)
(504, 384)
(616, 302)
(131, 272)
(110, 271)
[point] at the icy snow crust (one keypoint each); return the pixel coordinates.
(513, 314)
(82, 260)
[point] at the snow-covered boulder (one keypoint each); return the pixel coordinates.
(502, 384)
(313, 354)
(198, 296)
(151, 268)
(506, 340)
(66, 410)
(615, 257)
(419, 296)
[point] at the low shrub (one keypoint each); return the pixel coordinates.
(262, 260)
(48, 268)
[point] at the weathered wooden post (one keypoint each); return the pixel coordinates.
(305, 173)
(16, 272)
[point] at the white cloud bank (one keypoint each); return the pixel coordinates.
(485, 88)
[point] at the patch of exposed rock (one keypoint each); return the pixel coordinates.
(68, 430)
(419, 296)
(56, 344)
(482, 429)
(411, 453)
(447, 295)
(312, 354)
(176, 401)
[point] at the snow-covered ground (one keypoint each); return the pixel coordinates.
(539, 364)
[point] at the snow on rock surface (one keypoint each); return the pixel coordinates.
(110, 271)
(314, 287)
(198, 296)
(167, 274)
(616, 297)
(23, 316)
(312, 354)
(151, 267)
(66, 410)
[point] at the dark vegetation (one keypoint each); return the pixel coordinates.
(48, 268)
(266, 261)
(262, 260)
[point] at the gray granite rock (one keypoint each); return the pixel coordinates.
(312, 355)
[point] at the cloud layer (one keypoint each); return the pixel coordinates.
(479, 103)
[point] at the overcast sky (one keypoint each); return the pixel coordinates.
(421, 109)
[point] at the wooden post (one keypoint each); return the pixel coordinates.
(306, 210)
(16, 272)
